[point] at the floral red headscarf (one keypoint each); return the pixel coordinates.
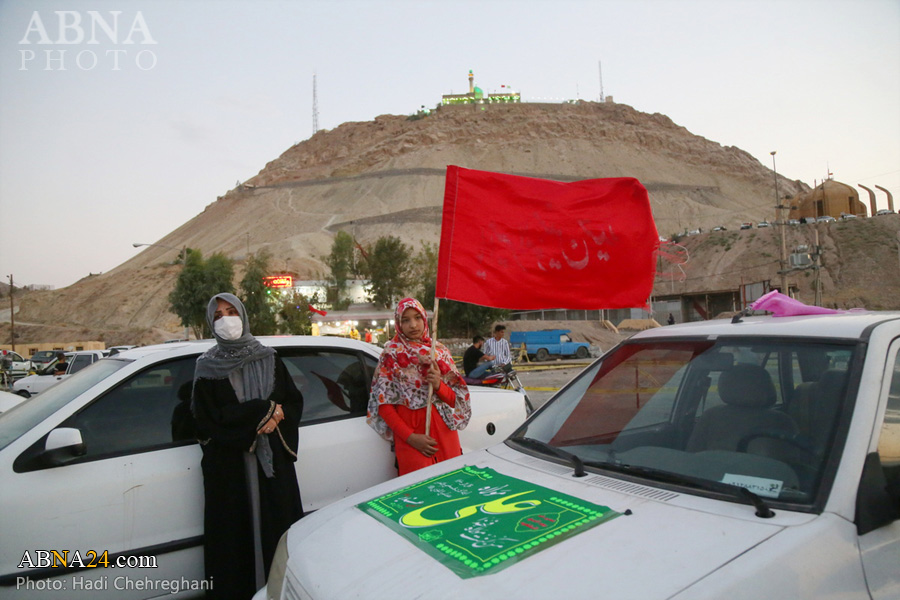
(400, 378)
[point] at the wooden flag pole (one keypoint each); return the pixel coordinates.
(431, 390)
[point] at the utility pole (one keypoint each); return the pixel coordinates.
(12, 316)
(600, 67)
(818, 296)
(315, 115)
(781, 207)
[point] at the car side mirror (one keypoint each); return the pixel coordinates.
(62, 445)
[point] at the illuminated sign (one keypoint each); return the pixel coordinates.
(279, 281)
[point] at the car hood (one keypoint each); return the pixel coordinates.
(665, 543)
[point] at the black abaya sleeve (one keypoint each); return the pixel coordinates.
(224, 420)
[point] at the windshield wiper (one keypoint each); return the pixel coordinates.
(572, 458)
(735, 491)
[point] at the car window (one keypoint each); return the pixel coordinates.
(149, 410)
(722, 410)
(79, 361)
(889, 441)
(14, 424)
(334, 383)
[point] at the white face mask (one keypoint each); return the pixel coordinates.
(229, 328)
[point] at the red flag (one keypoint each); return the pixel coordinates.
(523, 243)
(316, 310)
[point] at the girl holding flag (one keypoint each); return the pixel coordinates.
(410, 373)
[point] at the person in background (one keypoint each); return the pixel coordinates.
(400, 389)
(368, 337)
(59, 368)
(498, 347)
(247, 415)
(671, 319)
(476, 362)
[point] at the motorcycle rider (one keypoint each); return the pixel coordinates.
(476, 362)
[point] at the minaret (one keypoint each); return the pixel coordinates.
(471, 82)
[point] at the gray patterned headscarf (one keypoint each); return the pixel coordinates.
(255, 362)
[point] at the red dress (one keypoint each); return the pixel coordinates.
(405, 421)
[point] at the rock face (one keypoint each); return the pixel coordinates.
(386, 176)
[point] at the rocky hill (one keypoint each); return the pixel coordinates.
(386, 176)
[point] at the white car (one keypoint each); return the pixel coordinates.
(729, 459)
(8, 401)
(106, 462)
(14, 363)
(35, 384)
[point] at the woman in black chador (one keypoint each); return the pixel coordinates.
(247, 412)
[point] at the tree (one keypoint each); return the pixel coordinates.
(456, 319)
(389, 268)
(342, 265)
(199, 281)
(461, 319)
(294, 315)
(256, 295)
(424, 274)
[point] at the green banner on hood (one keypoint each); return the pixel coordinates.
(478, 521)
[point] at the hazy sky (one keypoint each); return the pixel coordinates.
(105, 142)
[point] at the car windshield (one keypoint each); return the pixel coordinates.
(760, 414)
(16, 422)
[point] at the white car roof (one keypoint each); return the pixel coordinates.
(190, 347)
(846, 325)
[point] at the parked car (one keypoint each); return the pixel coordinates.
(42, 358)
(113, 350)
(35, 384)
(826, 219)
(847, 216)
(762, 224)
(710, 460)
(718, 228)
(14, 364)
(746, 225)
(793, 221)
(106, 461)
(884, 211)
(541, 345)
(8, 401)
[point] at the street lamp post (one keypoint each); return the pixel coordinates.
(12, 316)
(781, 207)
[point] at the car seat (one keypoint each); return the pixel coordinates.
(748, 396)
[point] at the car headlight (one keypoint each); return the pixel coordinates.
(275, 583)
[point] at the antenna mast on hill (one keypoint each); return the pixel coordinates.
(315, 123)
(600, 67)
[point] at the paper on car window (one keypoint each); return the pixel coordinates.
(478, 521)
(768, 488)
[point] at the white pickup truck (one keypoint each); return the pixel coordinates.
(33, 385)
(751, 459)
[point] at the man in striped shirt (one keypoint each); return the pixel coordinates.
(498, 346)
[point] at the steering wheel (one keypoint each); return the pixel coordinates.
(805, 467)
(793, 439)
